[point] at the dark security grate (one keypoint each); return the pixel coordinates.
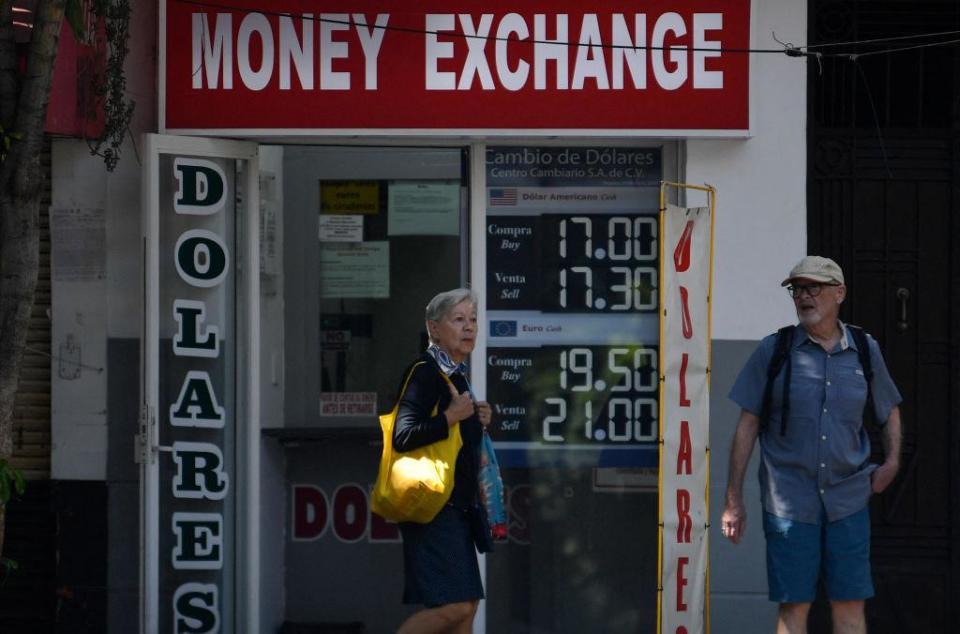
(883, 198)
(910, 89)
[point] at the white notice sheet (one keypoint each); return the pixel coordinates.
(423, 208)
(354, 269)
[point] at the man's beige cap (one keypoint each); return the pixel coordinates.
(816, 268)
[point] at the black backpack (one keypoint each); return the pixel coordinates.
(781, 358)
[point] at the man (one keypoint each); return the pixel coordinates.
(815, 474)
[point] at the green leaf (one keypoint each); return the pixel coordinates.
(9, 566)
(10, 480)
(74, 13)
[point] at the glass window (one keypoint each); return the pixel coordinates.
(572, 244)
(569, 360)
(372, 234)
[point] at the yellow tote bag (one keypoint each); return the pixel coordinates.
(413, 486)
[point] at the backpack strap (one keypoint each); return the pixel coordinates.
(863, 354)
(781, 357)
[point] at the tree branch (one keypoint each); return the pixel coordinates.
(8, 65)
(20, 182)
(35, 91)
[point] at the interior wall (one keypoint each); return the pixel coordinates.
(273, 489)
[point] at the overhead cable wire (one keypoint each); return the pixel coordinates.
(876, 118)
(468, 36)
(900, 50)
(881, 39)
(787, 49)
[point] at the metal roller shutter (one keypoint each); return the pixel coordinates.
(31, 414)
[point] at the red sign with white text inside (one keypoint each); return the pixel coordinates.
(329, 65)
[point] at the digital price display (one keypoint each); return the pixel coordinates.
(572, 306)
(596, 395)
(599, 263)
(576, 263)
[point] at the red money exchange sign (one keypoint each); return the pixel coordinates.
(336, 67)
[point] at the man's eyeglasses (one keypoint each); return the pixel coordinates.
(796, 290)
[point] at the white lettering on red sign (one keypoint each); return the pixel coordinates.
(216, 51)
(536, 65)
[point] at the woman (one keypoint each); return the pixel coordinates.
(440, 564)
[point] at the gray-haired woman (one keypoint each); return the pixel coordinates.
(440, 563)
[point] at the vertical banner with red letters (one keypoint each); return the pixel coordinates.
(686, 268)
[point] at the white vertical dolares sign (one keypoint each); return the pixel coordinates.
(200, 540)
(686, 271)
(199, 568)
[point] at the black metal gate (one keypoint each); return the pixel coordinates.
(884, 200)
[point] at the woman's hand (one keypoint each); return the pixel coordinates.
(461, 406)
(484, 412)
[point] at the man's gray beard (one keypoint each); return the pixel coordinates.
(812, 319)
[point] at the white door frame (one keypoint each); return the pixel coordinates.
(247, 477)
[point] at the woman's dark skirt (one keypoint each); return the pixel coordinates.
(439, 561)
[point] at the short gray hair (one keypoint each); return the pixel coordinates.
(443, 303)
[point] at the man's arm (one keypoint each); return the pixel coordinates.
(891, 436)
(734, 520)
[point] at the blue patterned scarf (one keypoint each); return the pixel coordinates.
(445, 362)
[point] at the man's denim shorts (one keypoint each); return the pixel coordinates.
(838, 553)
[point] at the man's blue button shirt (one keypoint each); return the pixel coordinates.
(823, 460)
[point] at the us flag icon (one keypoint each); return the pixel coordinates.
(503, 197)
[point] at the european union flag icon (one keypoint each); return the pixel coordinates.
(503, 328)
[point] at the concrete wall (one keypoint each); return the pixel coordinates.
(79, 315)
(88, 307)
(761, 231)
(738, 574)
(97, 310)
(761, 223)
